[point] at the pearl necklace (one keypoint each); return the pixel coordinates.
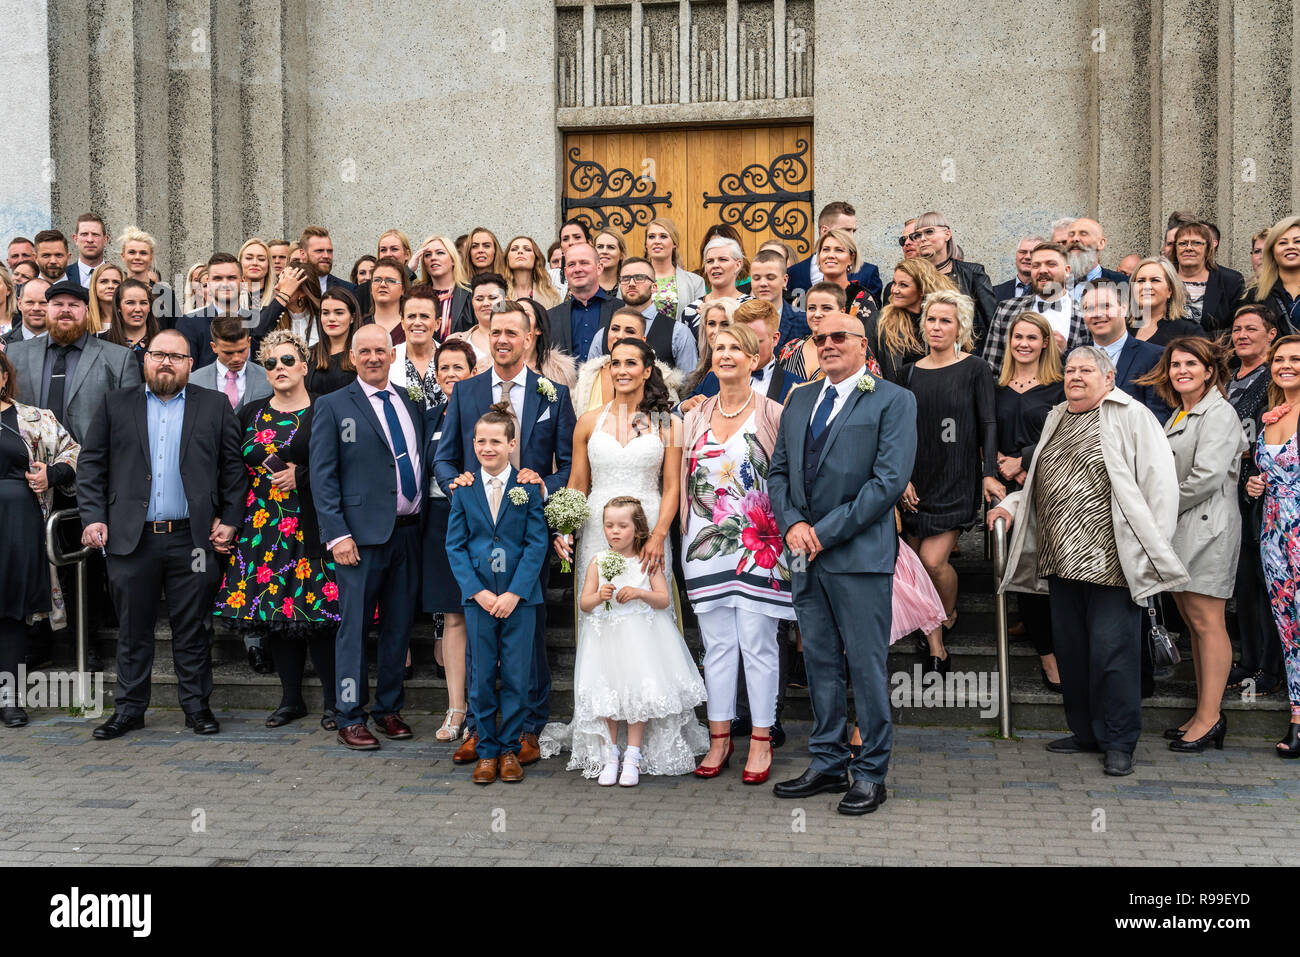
(732, 415)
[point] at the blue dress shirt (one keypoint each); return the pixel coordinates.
(584, 322)
(166, 493)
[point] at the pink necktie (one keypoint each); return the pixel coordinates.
(232, 388)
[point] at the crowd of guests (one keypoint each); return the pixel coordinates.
(786, 451)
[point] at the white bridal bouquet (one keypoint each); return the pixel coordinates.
(611, 565)
(566, 511)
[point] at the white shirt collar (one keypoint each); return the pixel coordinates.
(521, 379)
(846, 386)
(239, 376)
(486, 478)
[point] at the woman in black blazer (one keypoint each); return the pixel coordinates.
(1213, 291)
(280, 581)
(454, 361)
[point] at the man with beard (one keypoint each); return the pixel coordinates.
(1050, 273)
(161, 485)
(668, 337)
(52, 254)
(1083, 245)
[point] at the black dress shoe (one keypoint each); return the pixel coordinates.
(778, 734)
(260, 661)
(13, 717)
(1196, 745)
(1118, 763)
(863, 798)
(203, 722)
(812, 782)
(1173, 734)
(283, 715)
(741, 727)
(1072, 745)
(1053, 686)
(117, 725)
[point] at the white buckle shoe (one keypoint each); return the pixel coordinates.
(609, 772)
(631, 775)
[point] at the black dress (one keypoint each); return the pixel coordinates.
(23, 566)
(440, 592)
(1020, 420)
(891, 367)
(1168, 330)
(330, 379)
(956, 421)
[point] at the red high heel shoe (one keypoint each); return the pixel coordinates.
(704, 771)
(758, 777)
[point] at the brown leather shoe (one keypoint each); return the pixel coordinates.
(485, 772)
(511, 772)
(529, 750)
(392, 726)
(358, 738)
(467, 753)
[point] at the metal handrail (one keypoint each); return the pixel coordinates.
(1000, 613)
(78, 558)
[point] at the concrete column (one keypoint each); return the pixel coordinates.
(1189, 107)
(154, 140)
(25, 116)
(296, 105)
(262, 110)
(228, 143)
(112, 114)
(69, 90)
(190, 170)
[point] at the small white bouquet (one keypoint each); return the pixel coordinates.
(566, 511)
(611, 565)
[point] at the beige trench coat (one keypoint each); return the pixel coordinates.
(1143, 502)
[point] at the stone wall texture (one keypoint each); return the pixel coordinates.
(208, 121)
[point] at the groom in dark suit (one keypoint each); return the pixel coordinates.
(546, 421)
(843, 457)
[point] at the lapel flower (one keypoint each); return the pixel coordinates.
(414, 392)
(866, 384)
(546, 390)
(519, 495)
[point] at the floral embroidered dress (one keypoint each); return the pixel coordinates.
(733, 546)
(1279, 547)
(270, 581)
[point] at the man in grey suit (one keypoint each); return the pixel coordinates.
(241, 381)
(843, 457)
(68, 371)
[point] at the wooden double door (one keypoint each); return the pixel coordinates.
(757, 179)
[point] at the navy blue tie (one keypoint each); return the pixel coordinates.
(404, 470)
(823, 415)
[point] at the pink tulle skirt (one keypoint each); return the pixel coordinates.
(916, 604)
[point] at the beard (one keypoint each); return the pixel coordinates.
(64, 334)
(1081, 262)
(165, 384)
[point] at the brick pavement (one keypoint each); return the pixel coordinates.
(293, 796)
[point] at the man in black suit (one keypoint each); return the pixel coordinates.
(161, 485)
(318, 246)
(576, 322)
(1021, 284)
(1105, 312)
(91, 238)
(224, 278)
(32, 307)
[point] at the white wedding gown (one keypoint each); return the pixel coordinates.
(632, 662)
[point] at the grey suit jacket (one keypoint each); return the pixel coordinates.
(864, 467)
(102, 368)
(256, 384)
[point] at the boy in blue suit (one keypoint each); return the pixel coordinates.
(496, 544)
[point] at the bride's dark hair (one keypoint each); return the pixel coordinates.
(655, 398)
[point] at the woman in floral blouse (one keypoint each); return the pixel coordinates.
(280, 583)
(736, 577)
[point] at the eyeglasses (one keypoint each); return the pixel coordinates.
(928, 231)
(173, 357)
(902, 240)
(639, 277)
(1191, 243)
(288, 361)
(384, 281)
(837, 338)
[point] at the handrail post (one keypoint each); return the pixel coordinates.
(81, 687)
(1000, 614)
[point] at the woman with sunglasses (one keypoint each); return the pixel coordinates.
(280, 582)
(934, 241)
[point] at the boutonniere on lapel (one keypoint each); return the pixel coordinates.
(546, 390)
(866, 384)
(415, 392)
(519, 496)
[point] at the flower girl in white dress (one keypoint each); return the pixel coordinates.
(632, 666)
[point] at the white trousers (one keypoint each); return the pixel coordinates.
(730, 635)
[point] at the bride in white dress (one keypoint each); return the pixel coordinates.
(632, 447)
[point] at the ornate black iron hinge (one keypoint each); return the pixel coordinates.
(760, 197)
(617, 197)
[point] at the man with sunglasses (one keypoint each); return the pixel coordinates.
(160, 486)
(843, 456)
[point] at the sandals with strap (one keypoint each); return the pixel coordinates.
(450, 731)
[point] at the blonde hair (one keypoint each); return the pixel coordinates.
(704, 347)
(965, 307)
(1262, 284)
(458, 275)
(267, 292)
(134, 234)
(96, 321)
(279, 337)
(896, 329)
(844, 237)
(744, 336)
(8, 301)
(622, 250)
(1049, 360)
(401, 237)
(1177, 308)
(668, 226)
(193, 276)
